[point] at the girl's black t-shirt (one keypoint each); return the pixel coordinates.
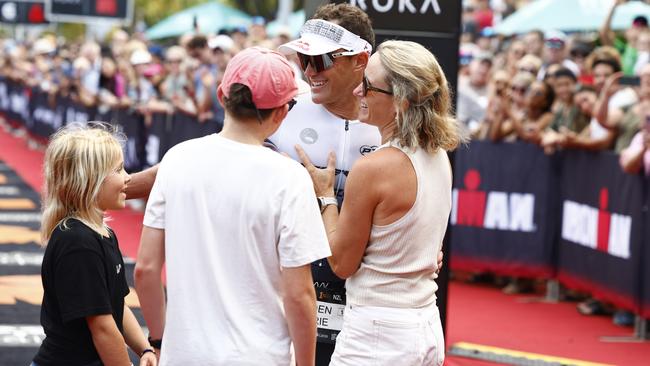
(83, 274)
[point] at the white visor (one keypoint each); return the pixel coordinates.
(318, 37)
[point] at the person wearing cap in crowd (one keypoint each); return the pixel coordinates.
(140, 90)
(626, 46)
(239, 35)
(173, 89)
(555, 52)
(256, 31)
(239, 284)
(223, 48)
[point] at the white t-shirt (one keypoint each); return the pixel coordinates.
(233, 215)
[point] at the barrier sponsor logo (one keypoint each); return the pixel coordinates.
(492, 210)
(597, 228)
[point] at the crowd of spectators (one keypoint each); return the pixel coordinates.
(128, 71)
(585, 90)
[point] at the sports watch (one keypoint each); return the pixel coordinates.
(323, 202)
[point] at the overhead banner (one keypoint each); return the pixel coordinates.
(439, 16)
(601, 232)
(435, 24)
(22, 12)
(87, 11)
(501, 217)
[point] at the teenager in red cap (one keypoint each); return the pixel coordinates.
(238, 237)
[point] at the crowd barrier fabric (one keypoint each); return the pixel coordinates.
(42, 114)
(500, 218)
(601, 234)
(645, 263)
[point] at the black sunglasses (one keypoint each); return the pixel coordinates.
(367, 86)
(292, 103)
(319, 63)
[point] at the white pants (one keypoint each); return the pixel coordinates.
(390, 336)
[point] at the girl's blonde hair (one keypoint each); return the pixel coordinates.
(421, 95)
(77, 160)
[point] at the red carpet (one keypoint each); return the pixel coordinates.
(485, 316)
(477, 314)
(28, 163)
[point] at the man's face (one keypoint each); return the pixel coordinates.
(601, 73)
(479, 72)
(336, 83)
(555, 52)
(533, 43)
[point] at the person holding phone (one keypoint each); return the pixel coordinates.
(624, 121)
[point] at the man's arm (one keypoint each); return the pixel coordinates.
(148, 281)
(108, 340)
(631, 159)
(606, 117)
(141, 183)
(300, 307)
(606, 33)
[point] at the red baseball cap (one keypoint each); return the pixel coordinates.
(267, 74)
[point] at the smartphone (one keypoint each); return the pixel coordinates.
(630, 80)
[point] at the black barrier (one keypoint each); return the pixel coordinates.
(501, 219)
(42, 114)
(132, 125)
(14, 102)
(645, 250)
(47, 114)
(602, 231)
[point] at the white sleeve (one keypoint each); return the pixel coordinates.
(154, 215)
(302, 235)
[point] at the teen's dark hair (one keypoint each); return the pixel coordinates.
(240, 103)
(349, 17)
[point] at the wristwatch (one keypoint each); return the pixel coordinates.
(323, 202)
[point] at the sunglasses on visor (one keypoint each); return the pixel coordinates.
(319, 63)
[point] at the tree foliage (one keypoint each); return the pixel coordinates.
(154, 11)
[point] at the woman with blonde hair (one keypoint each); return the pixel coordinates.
(386, 238)
(84, 316)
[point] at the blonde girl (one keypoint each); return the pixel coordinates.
(84, 316)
